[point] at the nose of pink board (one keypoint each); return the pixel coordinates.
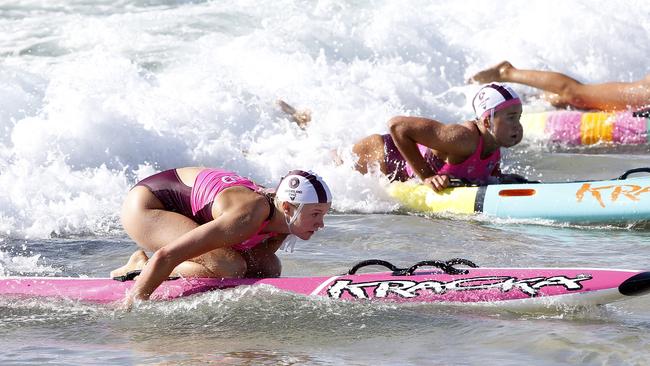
(585, 128)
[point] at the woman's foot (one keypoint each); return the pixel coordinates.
(302, 118)
(136, 261)
(495, 73)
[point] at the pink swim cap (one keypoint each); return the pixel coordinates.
(493, 98)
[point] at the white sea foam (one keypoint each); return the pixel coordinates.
(17, 264)
(95, 95)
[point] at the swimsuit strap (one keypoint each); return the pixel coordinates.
(478, 129)
(264, 224)
(269, 198)
(256, 239)
(271, 206)
(474, 168)
(479, 147)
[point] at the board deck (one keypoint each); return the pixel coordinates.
(605, 201)
(507, 287)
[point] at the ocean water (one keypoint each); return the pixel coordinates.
(95, 95)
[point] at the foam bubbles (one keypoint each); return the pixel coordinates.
(11, 265)
(83, 114)
(54, 200)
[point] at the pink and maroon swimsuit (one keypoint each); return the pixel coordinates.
(196, 202)
(473, 169)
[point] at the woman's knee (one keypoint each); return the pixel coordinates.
(265, 266)
(576, 94)
(273, 267)
(226, 263)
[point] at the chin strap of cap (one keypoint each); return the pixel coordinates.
(290, 242)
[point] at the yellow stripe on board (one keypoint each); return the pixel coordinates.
(534, 125)
(596, 127)
(424, 199)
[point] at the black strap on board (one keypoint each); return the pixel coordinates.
(446, 266)
(131, 275)
(642, 113)
(633, 171)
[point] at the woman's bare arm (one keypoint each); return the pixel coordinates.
(234, 225)
(407, 132)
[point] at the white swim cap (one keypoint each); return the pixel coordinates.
(303, 187)
(493, 98)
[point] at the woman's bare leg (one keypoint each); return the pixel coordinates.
(147, 222)
(262, 263)
(217, 263)
(152, 227)
(370, 151)
(613, 96)
(549, 81)
(568, 91)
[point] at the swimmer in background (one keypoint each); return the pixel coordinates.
(435, 152)
(562, 91)
(202, 222)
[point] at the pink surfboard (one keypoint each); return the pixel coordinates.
(508, 287)
(575, 128)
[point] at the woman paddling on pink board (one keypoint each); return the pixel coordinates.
(563, 91)
(435, 152)
(202, 222)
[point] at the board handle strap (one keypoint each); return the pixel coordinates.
(445, 266)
